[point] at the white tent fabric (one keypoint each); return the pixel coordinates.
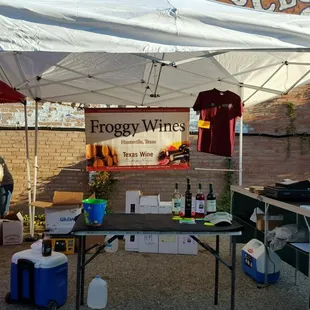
(149, 52)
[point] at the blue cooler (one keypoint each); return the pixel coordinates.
(39, 280)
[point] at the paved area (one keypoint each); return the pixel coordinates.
(157, 281)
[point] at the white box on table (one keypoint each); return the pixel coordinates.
(149, 204)
(186, 245)
(133, 201)
(165, 207)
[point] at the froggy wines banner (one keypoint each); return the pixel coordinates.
(137, 138)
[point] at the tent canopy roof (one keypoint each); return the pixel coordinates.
(147, 52)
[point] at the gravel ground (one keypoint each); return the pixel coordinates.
(157, 281)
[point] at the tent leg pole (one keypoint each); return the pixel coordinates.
(35, 165)
(240, 151)
(28, 168)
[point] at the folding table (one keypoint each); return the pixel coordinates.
(136, 224)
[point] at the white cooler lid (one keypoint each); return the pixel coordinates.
(56, 259)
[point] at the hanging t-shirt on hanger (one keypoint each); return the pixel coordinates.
(218, 115)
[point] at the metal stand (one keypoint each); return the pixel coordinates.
(297, 256)
(265, 242)
(307, 223)
(82, 263)
(231, 267)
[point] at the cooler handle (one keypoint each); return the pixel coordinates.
(25, 265)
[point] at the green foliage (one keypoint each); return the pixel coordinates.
(290, 128)
(304, 143)
(103, 186)
(39, 220)
(224, 201)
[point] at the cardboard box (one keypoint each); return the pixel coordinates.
(149, 203)
(60, 214)
(148, 243)
(63, 244)
(186, 245)
(257, 190)
(11, 229)
(132, 243)
(168, 244)
(165, 207)
(133, 201)
(132, 206)
(91, 240)
(273, 221)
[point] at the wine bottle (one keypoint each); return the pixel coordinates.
(176, 201)
(188, 200)
(200, 203)
(211, 200)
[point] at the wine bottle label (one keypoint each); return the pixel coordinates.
(211, 206)
(176, 205)
(188, 206)
(200, 206)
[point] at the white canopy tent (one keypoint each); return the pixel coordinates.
(149, 53)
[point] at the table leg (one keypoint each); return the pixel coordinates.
(266, 245)
(217, 263)
(78, 274)
(83, 269)
(233, 273)
(308, 226)
(296, 256)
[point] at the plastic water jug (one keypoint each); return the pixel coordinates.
(97, 296)
(111, 247)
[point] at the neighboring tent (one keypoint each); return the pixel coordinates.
(150, 52)
(10, 95)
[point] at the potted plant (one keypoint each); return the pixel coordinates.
(103, 185)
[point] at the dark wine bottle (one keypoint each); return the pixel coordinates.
(211, 200)
(188, 200)
(200, 203)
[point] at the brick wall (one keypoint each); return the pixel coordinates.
(265, 160)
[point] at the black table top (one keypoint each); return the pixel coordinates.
(155, 223)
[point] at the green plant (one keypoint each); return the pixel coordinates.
(224, 201)
(304, 138)
(103, 186)
(39, 220)
(290, 128)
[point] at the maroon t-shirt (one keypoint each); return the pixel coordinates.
(221, 109)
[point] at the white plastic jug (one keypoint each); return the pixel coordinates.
(97, 296)
(111, 247)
